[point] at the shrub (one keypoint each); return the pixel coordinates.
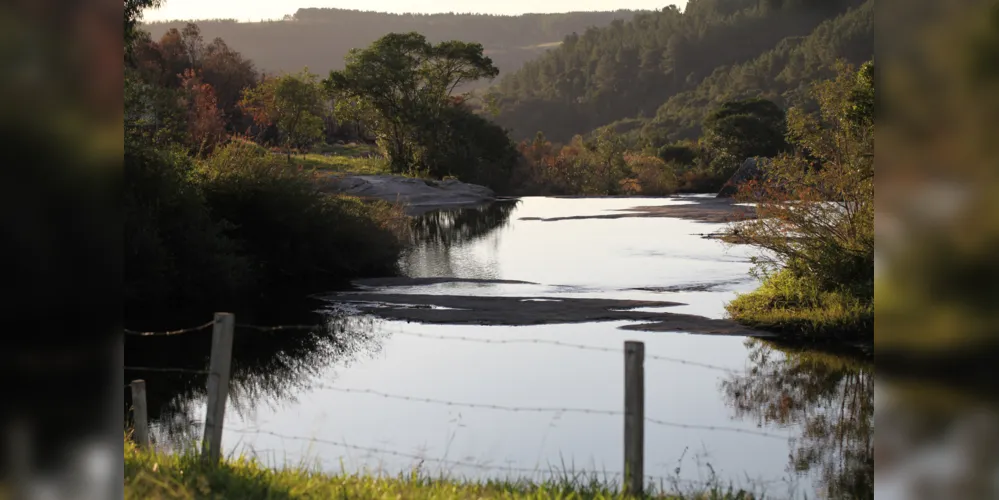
(815, 211)
(295, 234)
(172, 247)
(650, 176)
(798, 306)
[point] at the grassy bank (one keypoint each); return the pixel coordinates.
(346, 158)
(150, 475)
(800, 310)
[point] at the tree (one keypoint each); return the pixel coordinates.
(825, 235)
(293, 104)
(205, 126)
(741, 129)
(408, 83)
(132, 15)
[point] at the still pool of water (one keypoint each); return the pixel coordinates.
(526, 401)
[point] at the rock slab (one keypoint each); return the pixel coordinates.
(418, 195)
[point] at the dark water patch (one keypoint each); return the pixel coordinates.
(828, 396)
(522, 311)
(691, 287)
(267, 366)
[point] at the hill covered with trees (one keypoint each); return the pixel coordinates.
(320, 38)
(656, 77)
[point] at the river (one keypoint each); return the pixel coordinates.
(527, 401)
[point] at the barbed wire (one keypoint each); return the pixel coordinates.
(454, 337)
(465, 463)
(565, 344)
(169, 332)
(161, 369)
(210, 323)
(539, 409)
(278, 327)
(526, 409)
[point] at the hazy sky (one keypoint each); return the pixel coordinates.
(255, 10)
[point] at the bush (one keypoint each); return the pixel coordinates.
(650, 176)
(173, 250)
(798, 306)
(815, 215)
(295, 234)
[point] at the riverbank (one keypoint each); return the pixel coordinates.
(160, 476)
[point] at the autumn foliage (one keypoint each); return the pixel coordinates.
(600, 166)
(205, 121)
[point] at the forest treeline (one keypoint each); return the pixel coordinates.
(655, 77)
(320, 38)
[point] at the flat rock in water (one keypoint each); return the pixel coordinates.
(404, 281)
(419, 195)
(522, 311)
(712, 210)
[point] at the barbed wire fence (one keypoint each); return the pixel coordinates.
(223, 327)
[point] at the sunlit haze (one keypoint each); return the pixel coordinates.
(256, 10)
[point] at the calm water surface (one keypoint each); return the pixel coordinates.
(331, 398)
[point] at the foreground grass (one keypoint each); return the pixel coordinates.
(797, 310)
(152, 475)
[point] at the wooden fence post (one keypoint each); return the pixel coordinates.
(634, 417)
(218, 385)
(140, 415)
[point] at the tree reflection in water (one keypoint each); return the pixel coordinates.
(268, 368)
(830, 398)
(437, 235)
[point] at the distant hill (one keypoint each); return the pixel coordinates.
(654, 77)
(320, 38)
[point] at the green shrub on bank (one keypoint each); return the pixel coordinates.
(797, 307)
(151, 475)
(295, 234)
(173, 250)
(239, 223)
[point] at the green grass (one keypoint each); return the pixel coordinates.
(345, 158)
(344, 164)
(798, 310)
(155, 475)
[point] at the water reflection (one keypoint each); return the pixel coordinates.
(267, 368)
(829, 397)
(438, 236)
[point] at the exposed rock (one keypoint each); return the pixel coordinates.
(749, 170)
(418, 195)
(520, 311)
(712, 210)
(404, 281)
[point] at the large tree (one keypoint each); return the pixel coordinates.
(409, 83)
(292, 103)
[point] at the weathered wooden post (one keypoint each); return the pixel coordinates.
(140, 415)
(634, 417)
(218, 385)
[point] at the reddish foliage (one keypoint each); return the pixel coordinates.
(205, 125)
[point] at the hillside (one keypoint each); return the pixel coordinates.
(658, 74)
(320, 38)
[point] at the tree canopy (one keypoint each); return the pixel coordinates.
(407, 83)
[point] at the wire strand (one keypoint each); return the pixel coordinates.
(564, 344)
(535, 409)
(169, 332)
(166, 370)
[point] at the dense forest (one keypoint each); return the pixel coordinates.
(320, 38)
(657, 76)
